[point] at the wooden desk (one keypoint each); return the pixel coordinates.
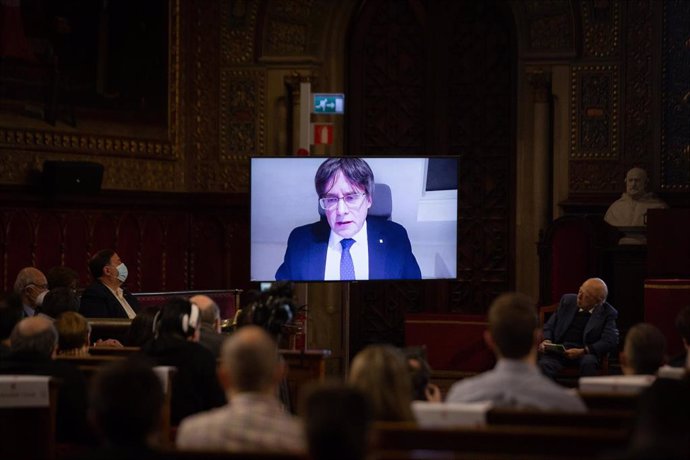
(109, 328)
(304, 366)
(29, 432)
(581, 442)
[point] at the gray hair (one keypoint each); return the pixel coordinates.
(209, 314)
(41, 339)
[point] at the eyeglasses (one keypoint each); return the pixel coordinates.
(351, 200)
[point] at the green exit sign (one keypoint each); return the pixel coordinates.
(329, 103)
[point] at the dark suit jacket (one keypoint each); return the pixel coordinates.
(212, 340)
(195, 384)
(390, 253)
(601, 333)
(98, 302)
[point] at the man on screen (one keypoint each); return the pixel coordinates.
(348, 244)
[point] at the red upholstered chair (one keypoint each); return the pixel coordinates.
(228, 300)
(569, 253)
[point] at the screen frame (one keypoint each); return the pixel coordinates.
(423, 197)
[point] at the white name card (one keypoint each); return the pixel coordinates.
(24, 391)
(164, 373)
(439, 415)
(620, 384)
(675, 373)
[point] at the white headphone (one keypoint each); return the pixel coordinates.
(191, 320)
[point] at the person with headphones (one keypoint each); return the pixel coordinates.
(176, 335)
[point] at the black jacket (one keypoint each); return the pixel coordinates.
(98, 302)
(195, 386)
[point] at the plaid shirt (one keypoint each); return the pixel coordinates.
(250, 422)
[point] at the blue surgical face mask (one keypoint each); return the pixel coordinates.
(122, 272)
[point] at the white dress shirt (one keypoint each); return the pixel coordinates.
(359, 252)
(119, 295)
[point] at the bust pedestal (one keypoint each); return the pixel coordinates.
(625, 269)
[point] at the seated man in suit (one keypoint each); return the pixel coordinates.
(106, 298)
(585, 324)
(515, 381)
(348, 245)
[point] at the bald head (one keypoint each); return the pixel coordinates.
(34, 334)
(208, 309)
(592, 293)
(250, 361)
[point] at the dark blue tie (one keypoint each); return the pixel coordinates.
(347, 268)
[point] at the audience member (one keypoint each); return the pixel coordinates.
(381, 373)
(337, 422)
(209, 314)
(141, 329)
(63, 277)
(11, 313)
(31, 286)
(585, 324)
(662, 428)
(74, 334)
(420, 373)
(105, 297)
(125, 410)
(683, 328)
(58, 301)
(515, 381)
(643, 351)
(176, 344)
(33, 344)
(254, 420)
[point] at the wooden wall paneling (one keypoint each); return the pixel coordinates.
(20, 247)
(176, 250)
(128, 247)
(103, 231)
(437, 78)
(48, 240)
(3, 253)
(675, 134)
(208, 268)
(152, 260)
(76, 244)
(168, 241)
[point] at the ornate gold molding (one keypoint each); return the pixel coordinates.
(134, 159)
(164, 148)
(594, 107)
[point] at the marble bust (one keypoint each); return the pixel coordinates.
(630, 210)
